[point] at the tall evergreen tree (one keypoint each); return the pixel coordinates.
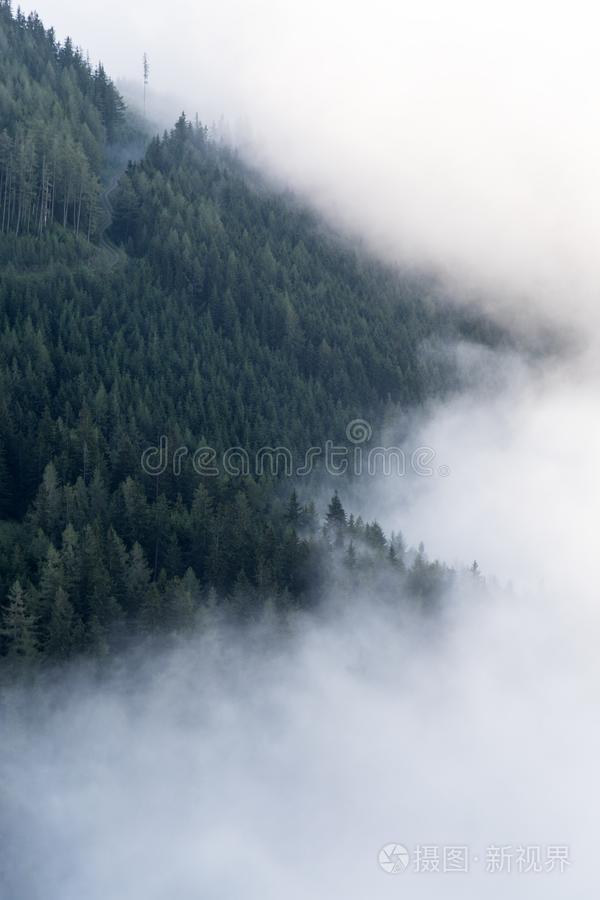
(18, 625)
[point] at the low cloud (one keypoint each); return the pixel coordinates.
(232, 766)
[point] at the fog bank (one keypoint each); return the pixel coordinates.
(523, 493)
(230, 770)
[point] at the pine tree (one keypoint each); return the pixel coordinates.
(6, 498)
(336, 516)
(375, 536)
(95, 637)
(70, 561)
(294, 511)
(394, 559)
(242, 598)
(49, 503)
(117, 562)
(59, 641)
(153, 616)
(182, 606)
(350, 556)
(51, 579)
(210, 612)
(18, 625)
(310, 518)
(138, 579)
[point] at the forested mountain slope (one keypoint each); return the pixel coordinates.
(230, 316)
(56, 114)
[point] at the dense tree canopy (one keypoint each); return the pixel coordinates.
(221, 313)
(56, 115)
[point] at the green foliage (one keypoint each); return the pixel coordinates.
(230, 316)
(56, 114)
(18, 625)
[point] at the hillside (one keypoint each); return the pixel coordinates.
(215, 311)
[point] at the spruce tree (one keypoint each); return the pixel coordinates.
(336, 516)
(59, 640)
(18, 625)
